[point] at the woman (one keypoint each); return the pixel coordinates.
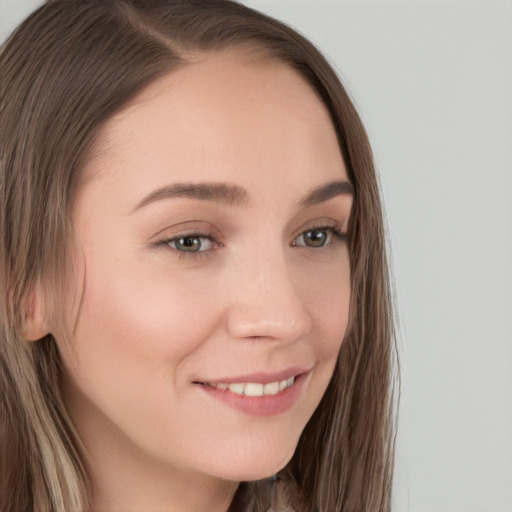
(195, 301)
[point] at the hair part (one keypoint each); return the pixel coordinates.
(65, 72)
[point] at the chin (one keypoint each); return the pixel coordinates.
(256, 467)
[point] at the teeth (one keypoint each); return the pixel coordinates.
(237, 388)
(252, 389)
(271, 388)
(255, 388)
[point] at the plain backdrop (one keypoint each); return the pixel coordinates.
(433, 83)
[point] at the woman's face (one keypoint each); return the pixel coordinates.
(211, 253)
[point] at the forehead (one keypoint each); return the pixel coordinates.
(219, 114)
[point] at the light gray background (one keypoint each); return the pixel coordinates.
(433, 83)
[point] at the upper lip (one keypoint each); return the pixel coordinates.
(261, 377)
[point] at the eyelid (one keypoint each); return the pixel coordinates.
(336, 228)
(322, 223)
(165, 242)
(336, 232)
(196, 236)
(187, 228)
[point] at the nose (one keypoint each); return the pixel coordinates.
(266, 303)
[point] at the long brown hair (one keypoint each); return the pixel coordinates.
(65, 71)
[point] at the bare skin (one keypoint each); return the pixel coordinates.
(178, 291)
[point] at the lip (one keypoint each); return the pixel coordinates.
(261, 377)
(266, 405)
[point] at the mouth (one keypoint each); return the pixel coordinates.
(255, 389)
(259, 393)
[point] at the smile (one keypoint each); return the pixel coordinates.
(254, 388)
(259, 393)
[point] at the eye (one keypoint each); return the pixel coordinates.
(318, 237)
(314, 238)
(190, 243)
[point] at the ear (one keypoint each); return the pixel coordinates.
(35, 325)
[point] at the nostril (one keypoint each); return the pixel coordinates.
(272, 324)
(266, 304)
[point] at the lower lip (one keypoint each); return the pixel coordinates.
(265, 405)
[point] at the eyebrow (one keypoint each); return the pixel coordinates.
(325, 192)
(233, 195)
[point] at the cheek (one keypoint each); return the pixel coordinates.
(127, 363)
(141, 329)
(136, 323)
(327, 295)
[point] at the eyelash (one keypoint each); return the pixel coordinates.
(335, 229)
(165, 242)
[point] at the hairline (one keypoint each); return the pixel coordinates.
(248, 52)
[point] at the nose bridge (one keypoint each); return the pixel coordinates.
(267, 303)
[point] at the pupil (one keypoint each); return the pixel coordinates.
(189, 244)
(315, 238)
